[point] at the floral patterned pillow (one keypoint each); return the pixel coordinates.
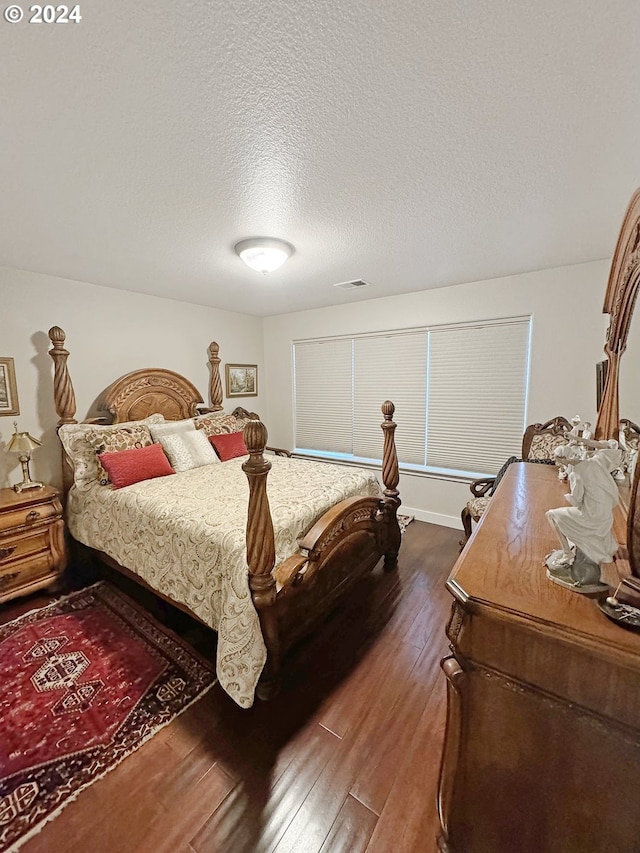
(82, 455)
(220, 423)
(112, 440)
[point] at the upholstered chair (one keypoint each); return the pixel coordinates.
(630, 444)
(538, 444)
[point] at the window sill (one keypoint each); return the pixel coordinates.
(405, 469)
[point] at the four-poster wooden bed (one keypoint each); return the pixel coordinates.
(291, 598)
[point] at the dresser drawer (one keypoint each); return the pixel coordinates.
(20, 544)
(27, 516)
(24, 572)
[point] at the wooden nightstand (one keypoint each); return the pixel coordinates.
(33, 553)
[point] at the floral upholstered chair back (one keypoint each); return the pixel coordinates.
(540, 440)
(630, 444)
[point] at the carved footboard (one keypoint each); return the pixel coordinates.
(343, 546)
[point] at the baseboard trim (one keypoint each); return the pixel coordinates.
(433, 517)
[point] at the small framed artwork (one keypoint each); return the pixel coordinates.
(242, 380)
(8, 388)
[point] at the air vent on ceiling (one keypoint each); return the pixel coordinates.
(352, 285)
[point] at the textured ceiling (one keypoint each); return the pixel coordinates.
(410, 143)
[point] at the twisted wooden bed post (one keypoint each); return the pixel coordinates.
(390, 478)
(215, 383)
(63, 394)
(261, 553)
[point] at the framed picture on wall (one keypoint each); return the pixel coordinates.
(242, 380)
(8, 388)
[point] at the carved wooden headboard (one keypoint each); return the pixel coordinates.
(134, 396)
(137, 394)
(143, 392)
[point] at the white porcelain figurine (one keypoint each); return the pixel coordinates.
(584, 527)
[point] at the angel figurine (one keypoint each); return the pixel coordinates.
(584, 527)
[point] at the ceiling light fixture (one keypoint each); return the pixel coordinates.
(264, 254)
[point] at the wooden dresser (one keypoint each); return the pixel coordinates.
(32, 546)
(542, 745)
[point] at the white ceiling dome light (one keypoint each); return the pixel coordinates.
(264, 254)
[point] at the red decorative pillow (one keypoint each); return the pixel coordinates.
(229, 445)
(126, 467)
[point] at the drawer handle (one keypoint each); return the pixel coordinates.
(7, 552)
(31, 516)
(5, 580)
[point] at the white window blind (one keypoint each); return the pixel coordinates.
(391, 368)
(477, 395)
(323, 395)
(459, 391)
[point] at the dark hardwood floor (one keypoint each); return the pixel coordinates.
(345, 758)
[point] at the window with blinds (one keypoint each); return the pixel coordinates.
(460, 394)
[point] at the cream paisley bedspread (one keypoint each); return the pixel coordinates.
(185, 536)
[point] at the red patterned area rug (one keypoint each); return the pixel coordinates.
(84, 682)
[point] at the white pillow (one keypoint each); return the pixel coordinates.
(171, 427)
(82, 455)
(188, 450)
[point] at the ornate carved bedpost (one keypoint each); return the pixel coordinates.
(261, 553)
(390, 478)
(215, 383)
(63, 394)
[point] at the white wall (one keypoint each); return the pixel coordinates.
(109, 333)
(567, 341)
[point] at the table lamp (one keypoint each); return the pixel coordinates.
(23, 444)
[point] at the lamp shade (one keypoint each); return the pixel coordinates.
(22, 442)
(264, 254)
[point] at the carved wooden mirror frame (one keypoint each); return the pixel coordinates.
(619, 302)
